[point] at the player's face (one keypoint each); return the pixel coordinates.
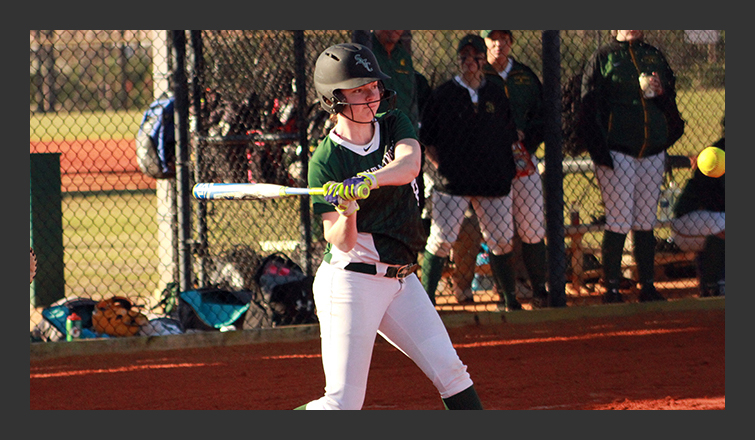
(629, 35)
(389, 37)
(471, 60)
(364, 100)
(499, 45)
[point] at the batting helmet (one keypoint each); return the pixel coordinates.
(344, 66)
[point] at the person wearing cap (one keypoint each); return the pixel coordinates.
(467, 128)
(524, 90)
(366, 284)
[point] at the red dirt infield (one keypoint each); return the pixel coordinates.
(661, 359)
(97, 165)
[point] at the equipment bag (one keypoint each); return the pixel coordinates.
(53, 326)
(286, 291)
(211, 309)
(156, 140)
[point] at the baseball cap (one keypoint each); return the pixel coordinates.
(486, 34)
(475, 41)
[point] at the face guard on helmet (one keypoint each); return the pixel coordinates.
(346, 66)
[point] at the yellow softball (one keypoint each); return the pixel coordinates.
(712, 162)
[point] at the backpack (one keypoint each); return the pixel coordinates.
(53, 325)
(286, 296)
(156, 140)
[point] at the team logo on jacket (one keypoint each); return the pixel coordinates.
(363, 62)
(489, 107)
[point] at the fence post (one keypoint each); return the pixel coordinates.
(46, 228)
(165, 189)
(183, 185)
(198, 72)
(300, 75)
(554, 176)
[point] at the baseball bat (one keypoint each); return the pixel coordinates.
(257, 191)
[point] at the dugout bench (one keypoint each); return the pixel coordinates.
(584, 260)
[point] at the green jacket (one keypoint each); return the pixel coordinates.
(525, 93)
(399, 66)
(614, 114)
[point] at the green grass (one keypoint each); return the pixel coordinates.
(702, 110)
(110, 244)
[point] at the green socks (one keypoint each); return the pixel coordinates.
(503, 276)
(644, 256)
(432, 270)
(612, 250)
(466, 399)
(534, 257)
(713, 260)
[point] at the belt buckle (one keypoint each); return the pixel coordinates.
(405, 271)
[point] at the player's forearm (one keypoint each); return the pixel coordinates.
(340, 230)
(405, 166)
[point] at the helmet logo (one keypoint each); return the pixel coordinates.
(362, 61)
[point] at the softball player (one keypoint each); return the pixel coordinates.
(627, 130)
(699, 226)
(366, 284)
(467, 130)
(524, 90)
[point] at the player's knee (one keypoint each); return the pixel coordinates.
(502, 248)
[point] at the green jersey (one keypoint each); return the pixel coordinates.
(388, 221)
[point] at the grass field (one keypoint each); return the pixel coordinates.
(88, 125)
(110, 246)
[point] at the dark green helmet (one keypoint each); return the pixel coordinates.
(344, 66)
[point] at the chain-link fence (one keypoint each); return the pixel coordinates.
(246, 111)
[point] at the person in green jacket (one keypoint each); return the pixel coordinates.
(396, 61)
(628, 119)
(524, 91)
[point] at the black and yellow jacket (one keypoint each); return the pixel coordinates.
(703, 193)
(525, 93)
(614, 114)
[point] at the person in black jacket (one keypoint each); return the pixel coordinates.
(628, 120)
(699, 225)
(467, 129)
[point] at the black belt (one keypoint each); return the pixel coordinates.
(390, 272)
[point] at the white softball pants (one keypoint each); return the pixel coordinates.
(631, 191)
(493, 213)
(353, 308)
(691, 229)
(528, 208)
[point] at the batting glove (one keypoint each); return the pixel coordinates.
(332, 196)
(358, 187)
(333, 192)
(348, 208)
(369, 178)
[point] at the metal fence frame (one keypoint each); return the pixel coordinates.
(184, 70)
